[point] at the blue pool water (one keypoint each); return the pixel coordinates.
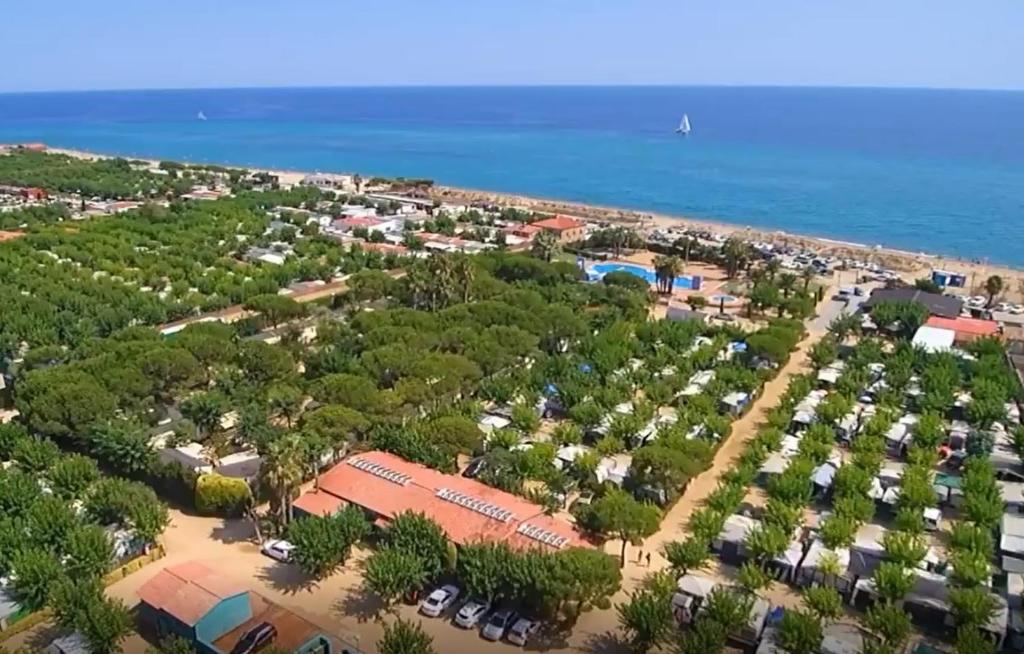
(932, 170)
(683, 281)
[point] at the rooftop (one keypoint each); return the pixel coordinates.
(559, 223)
(188, 591)
(938, 305)
(969, 327)
(467, 510)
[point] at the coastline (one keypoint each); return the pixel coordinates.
(910, 265)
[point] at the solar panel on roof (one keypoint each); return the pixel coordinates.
(379, 470)
(475, 504)
(542, 535)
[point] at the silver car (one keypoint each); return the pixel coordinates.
(471, 613)
(498, 623)
(521, 631)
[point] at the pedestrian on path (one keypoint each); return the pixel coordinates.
(648, 559)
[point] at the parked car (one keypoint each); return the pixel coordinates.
(438, 601)
(521, 631)
(256, 639)
(498, 623)
(475, 467)
(280, 550)
(471, 612)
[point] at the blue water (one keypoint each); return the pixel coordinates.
(683, 281)
(915, 169)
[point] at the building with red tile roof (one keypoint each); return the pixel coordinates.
(386, 486)
(965, 329)
(567, 229)
(523, 230)
(213, 612)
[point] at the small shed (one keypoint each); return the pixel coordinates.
(735, 403)
(867, 551)
(691, 591)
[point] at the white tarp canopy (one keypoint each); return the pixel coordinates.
(934, 339)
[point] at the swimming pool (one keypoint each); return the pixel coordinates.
(682, 281)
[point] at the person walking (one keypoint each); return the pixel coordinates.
(648, 559)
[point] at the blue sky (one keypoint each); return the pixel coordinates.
(108, 44)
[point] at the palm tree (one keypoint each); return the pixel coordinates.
(673, 268)
(696, 302)
(993, 286)
(772, 267)
(736, 254)
(619, 237)
(464, 272)
(808, 274)
(844, 325)
(283, 470)
(787, 282)
(660, 272)
(545, 245)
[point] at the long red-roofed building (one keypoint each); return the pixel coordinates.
(385, 486)
(965, 329)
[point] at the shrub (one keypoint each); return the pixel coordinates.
(219, 495)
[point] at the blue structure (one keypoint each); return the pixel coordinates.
(946, 278)
(212, 613)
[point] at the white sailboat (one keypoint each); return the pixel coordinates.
(684, 126)
(201, 116)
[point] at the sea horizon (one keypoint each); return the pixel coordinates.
(913, 169)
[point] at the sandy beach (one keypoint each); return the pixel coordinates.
(909, 265)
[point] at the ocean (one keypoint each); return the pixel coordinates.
(921, 170)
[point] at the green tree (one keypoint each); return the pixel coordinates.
(416, 534)
(483, 568)
(50, 520)
(284, 401)
(618, 515)
(545, 245)
(893, 581)
(36, 455)
(89, 552)
(72, 475)
(800, 632)
(889, 624)
(824, 602)
(123, 445)
(687, 555)
(275, 308)
(104, 622)
(282, 470)
(646, 619)
(972, 607)
(322, 544)
(993, 287)
(404, 637)
(205, 411)
(35, 572)
(392, 573)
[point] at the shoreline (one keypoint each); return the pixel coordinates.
(910, 265)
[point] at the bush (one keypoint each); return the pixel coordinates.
(219, 495)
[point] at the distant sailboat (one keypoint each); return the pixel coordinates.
(201, 116)
(684, 126)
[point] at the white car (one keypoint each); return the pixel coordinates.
(280, 550)
(471, 613)
(521, 631)
(439, 600)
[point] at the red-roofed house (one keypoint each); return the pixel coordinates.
(212, 612)
(965, 329)
(385, 486)
(567, 229)
(33, 193)
(523, 230)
